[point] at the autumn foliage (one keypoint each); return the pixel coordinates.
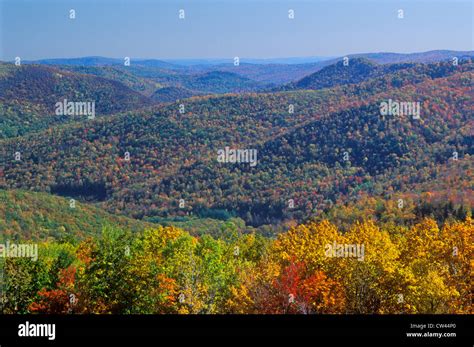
(420, 269)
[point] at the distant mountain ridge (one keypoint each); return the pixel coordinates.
(358, 69)
(380, 57)
(173, 153)
(30, 91)
(102, 61)
(46, 85)
(280, 74)
(421, 57)
(170, 94)
(29, 95)
(269, 71)
(355, 71)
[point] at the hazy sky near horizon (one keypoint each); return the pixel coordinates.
(35, 29)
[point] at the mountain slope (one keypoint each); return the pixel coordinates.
(356, 71)
(173, 154)
(170, 94)
(421, 57)
(29, 93)
(45, 86)
(280, 74)
(222, 82)
(120, 74)
(359, 70)
(36, 216)
(103, 61)
(337, 157)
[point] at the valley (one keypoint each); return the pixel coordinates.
(213, 188)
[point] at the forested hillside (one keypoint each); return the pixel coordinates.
(361, 70)
(29, 94)
(333, 145)
(39, 216)
(45, 86)
(165, 270)
(134, 211)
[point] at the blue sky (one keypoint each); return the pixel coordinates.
(34, 29)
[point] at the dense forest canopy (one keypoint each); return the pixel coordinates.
(344, 207)
(314, 147)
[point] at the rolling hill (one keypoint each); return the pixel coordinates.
(420, 57)
(103, 61)
(222, 82)
(356, 71)
(170, 94)
(301, 153)
(118, 73)
(39, 216)
(29, 94)
(44, 86)
(280, 74)
(359, 70)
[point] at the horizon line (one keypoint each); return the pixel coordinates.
(323, 57)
